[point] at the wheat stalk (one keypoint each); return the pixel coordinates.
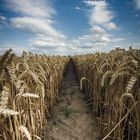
(4, 97)
(5, 111)
(32, 95)
(25, 131)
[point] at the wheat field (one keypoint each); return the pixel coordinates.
(112, 83)
(30, 86)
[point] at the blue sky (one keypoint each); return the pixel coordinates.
(69, 26)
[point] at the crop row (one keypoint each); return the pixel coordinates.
(29, 86)
(112, 83)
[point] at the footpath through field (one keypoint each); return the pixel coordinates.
(72, 119)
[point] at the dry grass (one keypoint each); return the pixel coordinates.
(112, 81)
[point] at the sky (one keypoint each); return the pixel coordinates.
(69, 27)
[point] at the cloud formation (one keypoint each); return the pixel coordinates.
(34, 25)
(100, 14)
(3, 21)
(97, 29)
(100, 19)
(101, 23)
(49, 41)
(33, 8)
(36, 16)
(110, 26)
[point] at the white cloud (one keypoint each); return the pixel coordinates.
(110, 26)
(97, 29)
(94, 2)
(33, 8)
(104, 39)
(98, 38)
(77, 8)
(100, 44)
(3, 20)
(100, 13)
(36, 16)
(85, 37)
(35, 25)
(43, 43)
(18, 49)
(118, 39)
(91, 41)
(73, 48)
(137, 4)
(100, 18)
(49, 42)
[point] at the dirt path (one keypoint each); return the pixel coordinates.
(72, 120)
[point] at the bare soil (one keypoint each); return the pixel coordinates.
(71, 118)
